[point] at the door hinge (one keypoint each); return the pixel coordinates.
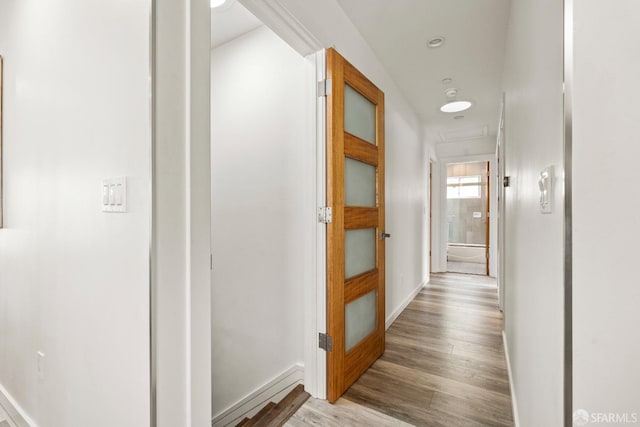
(325, 215)
(324, 88)
(325, 342)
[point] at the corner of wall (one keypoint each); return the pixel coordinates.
(394, 315)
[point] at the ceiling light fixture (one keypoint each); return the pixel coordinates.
(458, 117)
(217, 3)
(455, 106)
(447, 80)
(436, 42)
(451, 92)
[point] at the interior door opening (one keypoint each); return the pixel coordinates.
(263, 221)
(468, 196)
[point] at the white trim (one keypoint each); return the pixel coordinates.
(15, 411)
(273, 391)
(500, 206)
(393, 316)
(187, 215)
(277, 17)
(198, 212)
(514, 402)
(315, 360)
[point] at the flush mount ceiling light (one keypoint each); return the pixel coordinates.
(436, 42)
(217, 3)
(458, 117)
(447, 80)
(455, 106)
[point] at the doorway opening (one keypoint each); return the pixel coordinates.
(468, 218)
(263, 216)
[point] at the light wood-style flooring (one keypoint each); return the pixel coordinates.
(443, 365)
(466, 267)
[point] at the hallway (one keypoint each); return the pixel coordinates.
(443, 365)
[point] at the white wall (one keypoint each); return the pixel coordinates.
(606, 223)
(260, 209)
(407, 211)
(534, 242)
(74, 282)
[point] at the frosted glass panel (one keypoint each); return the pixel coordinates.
(359, 183)
(360, 319)
(359, 115)
(359, 251)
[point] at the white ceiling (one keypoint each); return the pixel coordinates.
(230, 21)
(472, 55)
(398, 31)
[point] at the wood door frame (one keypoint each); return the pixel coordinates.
(500, 207)
(488, 219)
(487, 209)
(431, 163)
(441, 225)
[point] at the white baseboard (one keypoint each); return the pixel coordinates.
(514, 402)
(273, 391)
(14, 410)
(393, 316)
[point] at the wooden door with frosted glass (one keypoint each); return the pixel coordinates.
(356, 236)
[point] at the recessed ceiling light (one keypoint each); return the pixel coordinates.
(458, 117)
(217, 3)
(436, 42)
(451, 92)
(455, 106)
(447, 80)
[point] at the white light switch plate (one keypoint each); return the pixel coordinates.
(114, 194)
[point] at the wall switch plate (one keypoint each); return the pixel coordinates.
(40, 364)
(114, 194)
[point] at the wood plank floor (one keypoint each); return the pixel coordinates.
(466, 267)
(316, 412)
(443, 365)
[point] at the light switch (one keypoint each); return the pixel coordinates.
(118, 201)
(105, 194)
(114, 194)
